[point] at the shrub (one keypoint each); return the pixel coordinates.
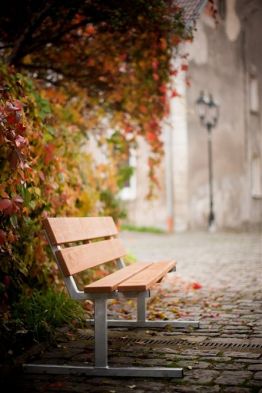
(44, 311)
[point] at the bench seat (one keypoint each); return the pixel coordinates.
(136, 277)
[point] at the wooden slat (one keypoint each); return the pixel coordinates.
(76, 259)
(111, 282)
(70, 229)
(145, 279)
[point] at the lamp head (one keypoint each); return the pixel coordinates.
(201, 106)
(207, 109)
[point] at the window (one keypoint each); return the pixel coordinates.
(222, 9)
(253, 94)
(256, 187)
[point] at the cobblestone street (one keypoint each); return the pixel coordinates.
(219, 282)
(217, 260)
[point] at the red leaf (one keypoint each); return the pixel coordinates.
(5, 204)
(123, 56)
(151, 137)
(91, 62)
(11, 118)
(21, 128)
(175, 94)
(90, 30)
(162, 89)
(155, 65)
(49, 153)
(173, 72)
(14, 159)
(8, 206)
(196, 285)
(155, 76)
(2, 236)
(154, 125)
(176, 40)
(6, 280)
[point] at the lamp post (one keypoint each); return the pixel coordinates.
(208, 112)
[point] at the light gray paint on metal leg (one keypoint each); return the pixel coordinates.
(157, 372)
(141, 308)
(120, 263)
(100, 333)
(151, 324)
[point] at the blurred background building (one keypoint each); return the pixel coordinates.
(225, 60)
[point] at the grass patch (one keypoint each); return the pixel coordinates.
(44, 311)
(129, 258)
(134, 228)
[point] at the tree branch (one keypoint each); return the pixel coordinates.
(40, 43)
(36, 20)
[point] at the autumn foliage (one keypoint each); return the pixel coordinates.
(75, 70)
(117, 52)
(45, 170)
(39, 176)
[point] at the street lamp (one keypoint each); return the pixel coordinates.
(208, 112)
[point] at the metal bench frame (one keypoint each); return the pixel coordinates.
(101, 323)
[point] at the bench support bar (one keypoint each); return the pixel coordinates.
(158, 372)
(148, 324)
(152, 324)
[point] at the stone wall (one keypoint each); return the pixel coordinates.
(225, 60)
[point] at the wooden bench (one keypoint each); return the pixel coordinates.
(83, 243)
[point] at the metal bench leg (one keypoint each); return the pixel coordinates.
(101, 352)
(101, 333)
(144, 323)
(141, 308)
(141, 320)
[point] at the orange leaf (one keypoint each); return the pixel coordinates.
(151, 137)
(163, 43)
(90, 30)
(143, 108)
(49, 152)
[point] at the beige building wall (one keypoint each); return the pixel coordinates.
(177, 152)
(169, 209)
(225, 60)
(220, 63)
(141, 210)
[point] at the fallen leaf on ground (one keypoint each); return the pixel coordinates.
(196, 285)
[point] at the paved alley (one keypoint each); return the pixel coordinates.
(219, 282)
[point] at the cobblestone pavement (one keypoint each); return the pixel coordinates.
(219, 281)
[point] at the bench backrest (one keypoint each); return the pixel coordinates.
(97, 237)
